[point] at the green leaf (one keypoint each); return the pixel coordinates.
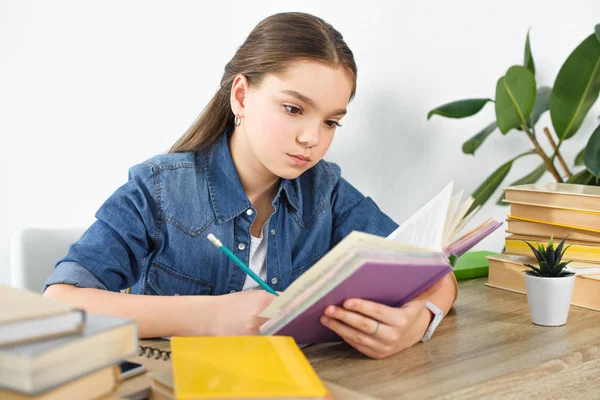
(541, 105)
(515, 97)
(579, 157)
(591, 156)
(551, 254)
(528, 62)
(459, 109)
(583, 177)
(559, 250)
(536, 252)
(537, 270)
(473, 144)
(489, 186)
(576, 88)
(532, 177)
(598, 32)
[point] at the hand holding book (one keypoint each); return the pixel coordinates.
(389, 271)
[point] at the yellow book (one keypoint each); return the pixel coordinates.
(242, 367)
(529, 228)
(576, 250)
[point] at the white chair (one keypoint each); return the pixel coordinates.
(34, 252)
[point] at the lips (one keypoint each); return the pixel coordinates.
(301, 157)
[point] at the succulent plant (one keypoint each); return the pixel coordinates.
(549, 259)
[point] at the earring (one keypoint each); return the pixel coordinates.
(237, 121)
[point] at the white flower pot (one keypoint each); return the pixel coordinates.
(549, 299)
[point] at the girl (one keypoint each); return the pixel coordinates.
(250, 171)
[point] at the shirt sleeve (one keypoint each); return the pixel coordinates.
(110, 254)
(354, 212)
(72, 273)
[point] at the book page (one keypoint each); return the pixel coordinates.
(425, 228)
(471, 238)
(459, 217)
(461, 225)
(344, 250)
(451, 217)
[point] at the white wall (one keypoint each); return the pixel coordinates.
(88, 89)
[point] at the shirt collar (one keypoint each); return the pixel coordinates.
(226, 192)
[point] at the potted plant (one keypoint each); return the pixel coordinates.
(549, 286)
(519, 104)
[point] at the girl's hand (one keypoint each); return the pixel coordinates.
(400, 327)
(237, 313)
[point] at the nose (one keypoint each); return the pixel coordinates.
(309, 137)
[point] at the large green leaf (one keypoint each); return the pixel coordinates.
(576, 88)
(591, 157)
(598, 31)
(583, 177)
(515, 97)
(459, 109)
(579, 157)
(542, 104)
(489, 186)
(532, 177)
(473, 144)
(491, 183)
(528, 61)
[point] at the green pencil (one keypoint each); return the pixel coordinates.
(213, 239)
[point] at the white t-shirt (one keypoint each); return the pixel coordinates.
(258, 255)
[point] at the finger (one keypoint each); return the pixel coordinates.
(353, 319)
(376, 311)
(349, 334)
(367, 351)
(361, 342)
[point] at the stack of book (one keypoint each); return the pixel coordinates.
(52, 350)
(539, 212)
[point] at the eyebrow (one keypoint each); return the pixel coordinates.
(310, 102)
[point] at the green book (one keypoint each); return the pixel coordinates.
(472, 264)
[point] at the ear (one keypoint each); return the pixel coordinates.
(239, 90)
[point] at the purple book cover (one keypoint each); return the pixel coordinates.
(390, 284)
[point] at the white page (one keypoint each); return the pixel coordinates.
(425, 228)
(462, 224)
(455, 203)
(459, 216)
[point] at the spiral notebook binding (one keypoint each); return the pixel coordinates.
(150, 352)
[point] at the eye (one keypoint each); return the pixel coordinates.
(332, 124)
(292, 110)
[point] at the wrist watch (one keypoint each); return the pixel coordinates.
(437, 318)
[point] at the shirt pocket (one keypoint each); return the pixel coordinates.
(165, 281)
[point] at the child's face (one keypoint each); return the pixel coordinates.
(295, 114)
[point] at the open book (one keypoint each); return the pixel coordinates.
(390, 270)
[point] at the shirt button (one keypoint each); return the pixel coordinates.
(249, 212)
(272, 231)
(274, 281)
(176, 294)
(232, 291)
(241, 246)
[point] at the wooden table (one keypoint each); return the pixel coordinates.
(485, 347)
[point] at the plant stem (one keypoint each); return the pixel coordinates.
(540, 151)
(560, 157)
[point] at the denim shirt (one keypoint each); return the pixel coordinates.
(150, 234)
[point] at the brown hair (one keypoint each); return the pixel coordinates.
(272, 44)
